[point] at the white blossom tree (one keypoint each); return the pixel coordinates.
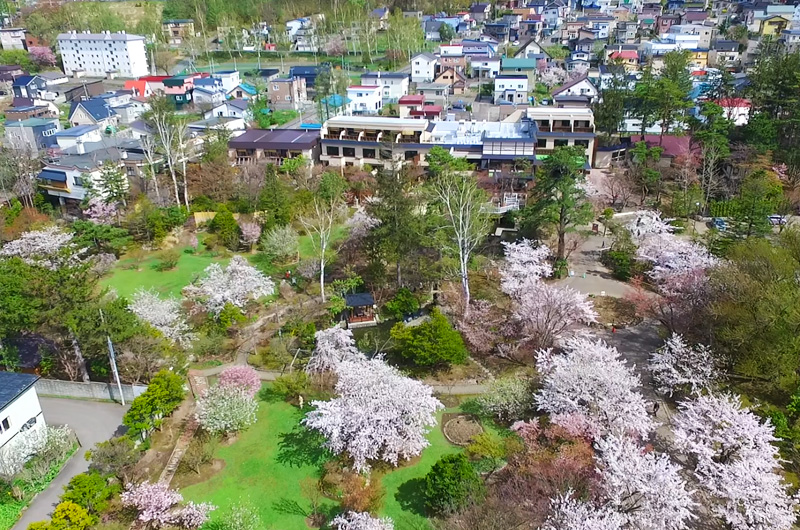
(158, 506)
(235, 284)
(360, 224)
(568, 513)
(552, 77)
(671, 256)
(507, 398)
(646, 487)
(361, 521)
(165, 315)
(334, 345)
(379, 414)
(735, 462)
(49, 247)
(677, 365)
(647, 223)
(225, 409)
(589, 380)
(548, 311)
(525, 263)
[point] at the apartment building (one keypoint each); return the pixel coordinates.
(558, 127)
(96, 54)
(273, 146)
(176, 30)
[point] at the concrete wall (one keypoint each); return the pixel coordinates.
(93, 390)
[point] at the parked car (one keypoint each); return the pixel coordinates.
(459, 105)
(719, 223)
(776, 220)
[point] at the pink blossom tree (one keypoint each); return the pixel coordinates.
(361, 521)
(336, 47)
(251, 232)
(100, 212)
(590, 381)
(42, 55)
(157, 506)
(735, 463)
(568, 513)
(235, 285)
(646, 487)
(241, 376)
(553, 77)
(165, 315)
(334, 346)
(378, 414)
(677, 365)
(360, 224)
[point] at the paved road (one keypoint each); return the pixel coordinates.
(93, 422)
(586, 261)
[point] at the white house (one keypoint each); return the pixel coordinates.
(735, 109)
(580, 86)
(511, 88)
(233, 108)
(364, 99)
(69, 139)
(230, 79)
(423, 67)
(394, 85)
(20, 413)
(484, 67)
(99, 53)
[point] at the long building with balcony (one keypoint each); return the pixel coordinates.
(389, 142)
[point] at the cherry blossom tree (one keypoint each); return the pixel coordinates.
(552, 77)
(361, 521)
(235, 285)
(334, 345)
(735, 462)
(360, 224)
(158, 507)
(379, 414)
(646, 487)
(571, 514)
(590, 381)
(42, 55)
(677, 365)
(225, 409)
(548, 311)
(49, 247)
(251, 232)
(165, 315)
(648, 222)
(243, 377)
(672, 256)
(100, 212)
(525, 263)
(507, 398)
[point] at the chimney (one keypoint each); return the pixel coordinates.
(123, 155)
(79, 148)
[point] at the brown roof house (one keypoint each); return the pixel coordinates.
(452, 78)
(274, 146)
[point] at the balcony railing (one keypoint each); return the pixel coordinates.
(583, 129)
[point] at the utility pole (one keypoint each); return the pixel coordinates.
(113, 360)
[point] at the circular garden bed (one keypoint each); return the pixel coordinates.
(460, 429)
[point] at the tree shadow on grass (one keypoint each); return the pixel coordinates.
(409, 496)
(268, 395)
(289, 507)
(302, 447)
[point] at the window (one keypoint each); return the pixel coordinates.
(369, 153)
(541, 143)
(5, 425)
(561, 143)
(582, 143)
(78, 181)
(332, 151)
(410, 155)
(130, 171)
(349, 151)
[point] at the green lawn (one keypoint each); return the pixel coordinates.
(262, 470)
(306, 245)
(127, 281)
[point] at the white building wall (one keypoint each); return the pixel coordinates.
(99, 53)
(18, 413)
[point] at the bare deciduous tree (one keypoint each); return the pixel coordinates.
(318, 223)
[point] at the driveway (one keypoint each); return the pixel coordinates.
(93, 422)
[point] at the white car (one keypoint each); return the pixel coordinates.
(515, 43)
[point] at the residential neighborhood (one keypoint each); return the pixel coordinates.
(519, 264)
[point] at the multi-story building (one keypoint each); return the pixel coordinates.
(287, 93)
(423, 67)
(560, 127)
(12, 38)
(96, 54)
(175, 31)
(511, 88)
(31, 134)
(364, 99)
(725, 53)
(394, 85)
(273, 146)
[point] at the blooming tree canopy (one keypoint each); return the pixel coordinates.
(735, 462)
(45, 248)
(678, 365)
(647, 488)
(101, 213)
(378, 414)
(568, 513)
(647, 223)
(334, 345)
(235, 284)
(158, 506)
(590, 381)
(243, 377)
(360, 224)
(165, 315)
(250, 233)
(525, 263)
(226, 409)
(361, 521)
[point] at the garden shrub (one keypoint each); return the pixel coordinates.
(90, 491)
(430, 344)
(167, 260)
(620, 262)
(292, 385)
(507, 399)
(403, 303)
(224, 226)
(148, 410)
(451, 484)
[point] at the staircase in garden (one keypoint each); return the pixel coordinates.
(198, 384)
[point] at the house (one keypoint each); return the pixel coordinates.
(96, 54)
(393, 84)
(665, 22)
(308, 73)
(244, 91)
(381, 15)
(790, 39)
(735, 109)
(179, 90)
(484, 66)
(585, 45)
(31, 134)
(208, 91)
(132, 110)
(9, 72)
(29, 111)
(694, 17)
(93, 112)
(175, 31)
(29, 86)
(423, 67)
(698, 58)
(230, 79)
(480, 12)
(512, 66)
(12, 38)
(268, 74)
(53, 78)
(217, 123)
(555, 13)
(453, 79)
(629, 59)
(725, 53)
(364, 99)
(20, 414)
(69, 139)
(408, 104)
(78, 91)
(500, 31)
(532, 50)
(580, 86)
(626, 32)
(773, 26)
(274, 146)
(474, 47)
(578, 61)
(431, 29)
(511, 88)
(232, 108)
(531, 28)
(435, 93)
(290, 93)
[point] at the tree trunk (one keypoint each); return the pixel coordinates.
(398, 273)
(175, 184)
(465, 283)
(81, 362)
(322, 279)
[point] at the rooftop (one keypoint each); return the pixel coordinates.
(376, 122)
(31, 122)
(474, 132)
(275, 139)
(13, 385)
(80, 130)
(122, 36)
